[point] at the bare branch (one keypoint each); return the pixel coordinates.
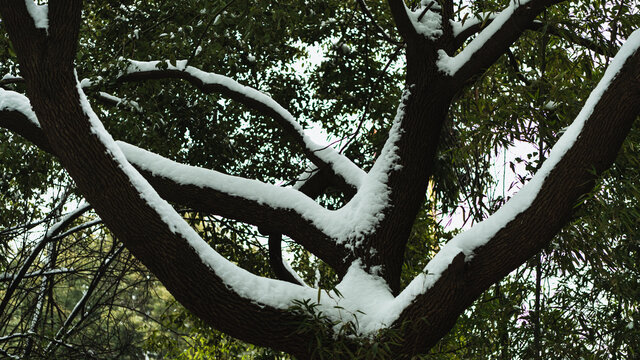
(379, 29)
(7, 277)
(65, 329)
(276, 261)
(54, 230)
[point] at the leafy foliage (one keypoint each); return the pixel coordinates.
(580, 298)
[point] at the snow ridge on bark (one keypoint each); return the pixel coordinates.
(450, 65)
(338, 162)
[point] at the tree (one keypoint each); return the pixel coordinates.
(365, 240)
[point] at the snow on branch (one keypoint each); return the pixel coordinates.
(480, 234)
(461, 28)
(274, 293)
(39, 14)
(17, 115)
(10, 277)
(345, 225)
(452, 65)
(211, 82)
(426, 19)
(14, 101)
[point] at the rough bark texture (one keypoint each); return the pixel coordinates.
(46, 62)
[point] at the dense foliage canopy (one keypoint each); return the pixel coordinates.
(75, 291)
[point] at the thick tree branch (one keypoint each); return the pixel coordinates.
(532, 217)
(201, 191)
(347, 174)
(267, 206)
(18, 123)
(493, 41)
(243, 305)
(401, 18)
(17, 115)
(560, 32)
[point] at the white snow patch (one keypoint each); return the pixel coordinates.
(339, 163)
(459, 26)
(9, 76)
(482, 232)
(430, 25)
(13, 101)
(450, 65)
(39, 14)
(110, 97)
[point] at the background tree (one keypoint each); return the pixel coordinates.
(483, 125)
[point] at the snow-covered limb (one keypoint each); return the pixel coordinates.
(211, 82)
(113, 100)
(240, 209)
(17, 115)
(14, 101)
(468, 25)
(463, 31)
(493, 40)
(13, 336)
(8, 78)
(66, 220)
(8, 355)
(450, 65)
(39, 14)
(426, 19)
(529, 220)
(345, 225)
(75, 229)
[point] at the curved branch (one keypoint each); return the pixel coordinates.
(276, 261)
(535, 214)
(53, 231)
(17, 115)
(493, 40)
(571, 36)
(270, 207)
(344, 169)
(233, 300)
(295, 214)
